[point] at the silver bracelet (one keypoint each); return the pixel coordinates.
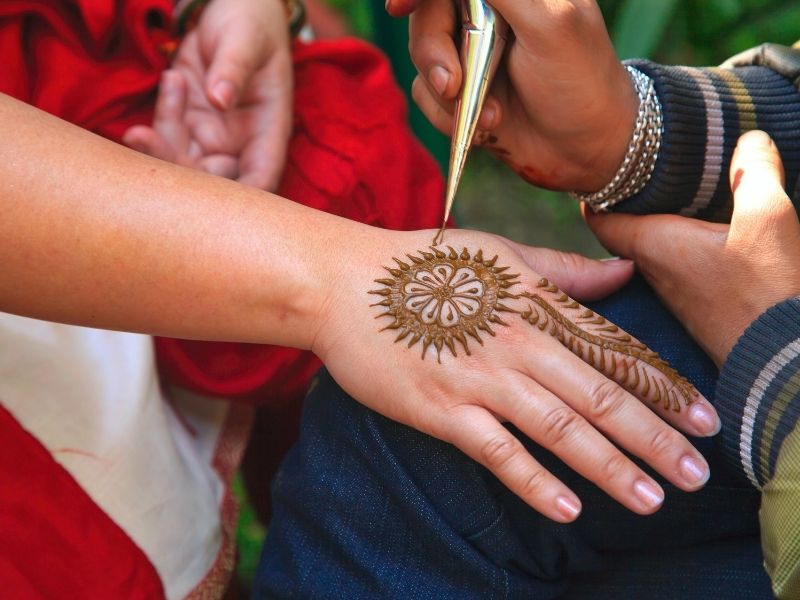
(640, 160)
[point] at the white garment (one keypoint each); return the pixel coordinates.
(92, 399)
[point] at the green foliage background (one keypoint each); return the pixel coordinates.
(696, 32)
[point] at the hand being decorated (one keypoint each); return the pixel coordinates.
(458, 340)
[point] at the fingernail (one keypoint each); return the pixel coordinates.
(439, 78)
(168, 81)
(568, 507)
(488, 116)
(616, 261)
(648, 493)
(756, 139)
(694, 472)
(223, 92)
(705, 419)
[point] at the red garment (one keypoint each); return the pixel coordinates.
(97, 63)
(352, 154)
(56, 542)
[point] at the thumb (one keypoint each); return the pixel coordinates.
(234, 61)
(580, 277)
(402, 8)
(757, 180)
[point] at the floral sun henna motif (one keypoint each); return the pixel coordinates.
(445, 299)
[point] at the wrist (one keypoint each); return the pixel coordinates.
(611, 143)
(640, 158)
(187, 13)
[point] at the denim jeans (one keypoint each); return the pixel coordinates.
(367, 508)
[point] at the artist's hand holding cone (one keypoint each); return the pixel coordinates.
(562, 107)
(457, 340)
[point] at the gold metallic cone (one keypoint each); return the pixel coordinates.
(482, 47)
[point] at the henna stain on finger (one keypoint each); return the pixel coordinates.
(444, 300)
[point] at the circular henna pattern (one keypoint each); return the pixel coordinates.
(442, 299)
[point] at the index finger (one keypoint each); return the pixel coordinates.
(432, 28)
(484, 439)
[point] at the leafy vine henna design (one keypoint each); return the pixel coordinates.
(445, 299)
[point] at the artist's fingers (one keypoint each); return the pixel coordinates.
(550, 422)
(656, 243)
(168, 138)
(169, 117)
(481, 437)
(432, 47)
(580, 277)
(761, 206)
(263, 160)
(402, 8)
(222, 165)
(625, 419)
(440, 112)
(236, 57)
(440, 117)
(631, 235)
(148, 141)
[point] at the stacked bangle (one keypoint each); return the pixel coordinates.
(640, 160)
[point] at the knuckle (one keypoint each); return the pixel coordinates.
(559, 424)
(663, 441)
(535, 483)
(570, 262)
(566, 14)
(614, 466)
(499, 450)
(605, 398)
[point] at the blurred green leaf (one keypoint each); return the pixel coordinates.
(640, 26)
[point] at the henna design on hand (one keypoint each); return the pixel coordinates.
(443, 299)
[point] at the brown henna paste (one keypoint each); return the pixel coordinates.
(445, 299)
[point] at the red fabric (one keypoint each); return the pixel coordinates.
(97, 63)
(94, 63)
(55, 542)
(352, 154)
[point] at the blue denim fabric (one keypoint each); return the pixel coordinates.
(367, 508)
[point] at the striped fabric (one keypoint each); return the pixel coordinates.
(705, 113)
(758, 398)
(758, 394)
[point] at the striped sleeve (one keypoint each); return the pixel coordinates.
(758, 393)
(705, 111)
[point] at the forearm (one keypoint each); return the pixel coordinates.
(705, 113)
(96, 234)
